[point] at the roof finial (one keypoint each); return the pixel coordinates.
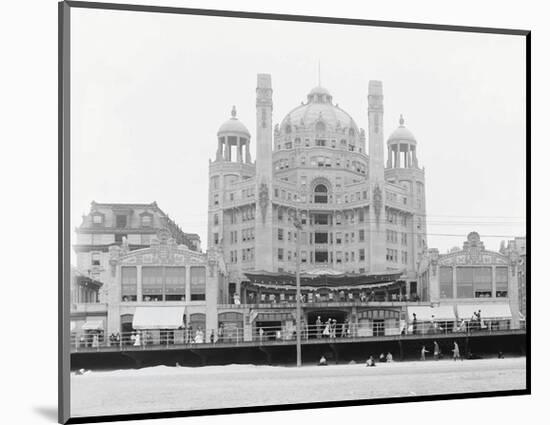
(234, 112)
(401, 120)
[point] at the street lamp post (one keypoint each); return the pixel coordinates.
(298, 226)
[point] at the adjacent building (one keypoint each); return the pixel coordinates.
(473, 279)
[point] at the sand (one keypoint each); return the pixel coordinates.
(163, 388)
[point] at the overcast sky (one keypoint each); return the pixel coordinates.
(149, 92)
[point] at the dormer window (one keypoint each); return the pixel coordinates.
(146, 220)
(97, 219)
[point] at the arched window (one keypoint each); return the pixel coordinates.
(320, 194)
(288, 129)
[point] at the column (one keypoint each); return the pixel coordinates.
(494, 282)
(139, 289)
(389, 164)
(220, 148)
(454, 282)
(187, 284)
(239, 150)
(415, 161)
(229, 144)
(248, 160)
(398, 155)
(226, 149)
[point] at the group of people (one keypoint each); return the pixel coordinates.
(437, 352)
(330, 328)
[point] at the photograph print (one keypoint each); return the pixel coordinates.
(266, 211)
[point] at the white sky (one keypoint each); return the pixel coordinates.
(149, 92)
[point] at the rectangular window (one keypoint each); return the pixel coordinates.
(338, 238)
(361, 235)
(121, 221)
(129, 283)
(174, 283)
(97, 219)
(146, 220)
(152, 283)
(502, 282)
(445, 282)
(464, 282)
(304, 256)
(280, 234)
(280, 254)
(483, 277)
(216, 239)
(216, 220)
(362, 254)
(198, 283)
(96, 258)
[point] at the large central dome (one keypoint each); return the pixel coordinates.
(319, 114)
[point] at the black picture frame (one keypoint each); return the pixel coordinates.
(64, 186)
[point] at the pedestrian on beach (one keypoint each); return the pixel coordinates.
(423, 352)
(389, 358)
(382, 358)
(261, 333)
(370, 362)
(436, 351)
(456, 351)
(322, 361)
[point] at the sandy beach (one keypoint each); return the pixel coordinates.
(165, 388)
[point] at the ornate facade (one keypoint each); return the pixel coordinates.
(474, 279)
(358, 213)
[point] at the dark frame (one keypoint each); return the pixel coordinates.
(64, 225)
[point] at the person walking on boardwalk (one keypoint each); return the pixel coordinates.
(423, 352)
(456, 351)
(436, 351)
(319, 327)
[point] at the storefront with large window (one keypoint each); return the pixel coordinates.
(474, 277)
(165, 293)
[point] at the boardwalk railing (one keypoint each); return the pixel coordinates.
(188, 338)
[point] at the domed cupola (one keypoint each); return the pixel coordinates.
(233, 125)
(402, 148)
(402, 133)
(319, 122)
(233, 136)
(319, 95)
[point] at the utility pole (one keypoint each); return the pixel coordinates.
(298, 226)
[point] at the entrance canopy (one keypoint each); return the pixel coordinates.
(93, 325)
(488, 311)
(321, 278)
(158, 317)
(439, 313)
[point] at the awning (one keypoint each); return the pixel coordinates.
(488, 311)
(158, 317)
(425, 313)
(93, 325)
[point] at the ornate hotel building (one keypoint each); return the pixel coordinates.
(359, 213)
